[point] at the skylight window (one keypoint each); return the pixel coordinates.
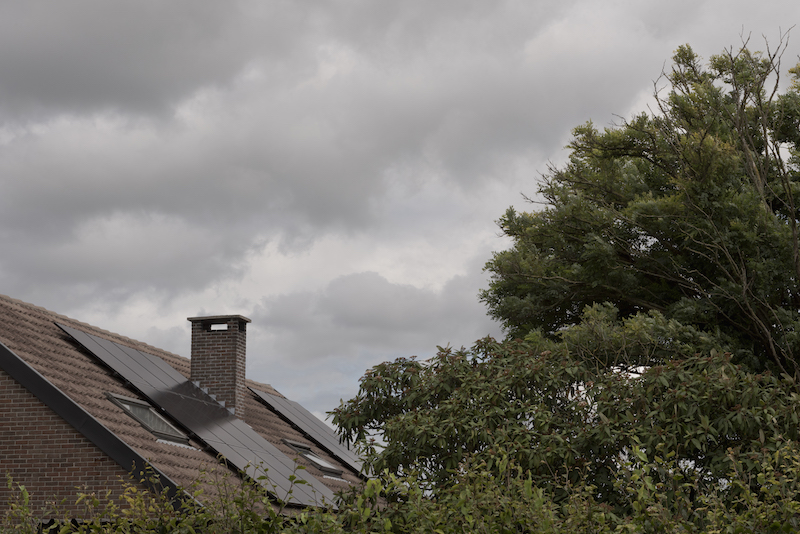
(149, 418)
(306, 452)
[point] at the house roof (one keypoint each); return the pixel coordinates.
(68, 377)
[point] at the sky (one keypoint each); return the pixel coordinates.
(333, 170)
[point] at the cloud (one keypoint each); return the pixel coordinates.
(330, 337)
(359, 315)
(101, 252)
(334, 168)
(137, 57)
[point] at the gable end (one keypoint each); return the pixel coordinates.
(81, 420)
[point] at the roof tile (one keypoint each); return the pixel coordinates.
(30, 332)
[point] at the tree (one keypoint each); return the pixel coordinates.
(652, 311)
(690, 211)
(567, 412)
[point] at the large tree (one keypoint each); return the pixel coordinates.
(570, 411)
(652, 296)
(690, 211)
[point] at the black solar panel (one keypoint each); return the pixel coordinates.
(312, 427)
(196, 411)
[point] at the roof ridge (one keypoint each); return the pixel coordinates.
(263, 386)
(133, 343)
(117, 337)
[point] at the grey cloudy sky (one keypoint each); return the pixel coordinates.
(330, 169)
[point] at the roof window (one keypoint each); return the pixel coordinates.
(305, 451)
(149, 418)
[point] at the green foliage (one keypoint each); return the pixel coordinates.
(571, 410)
(690, 212)
(660, 494)
(236, 505)
(19, 515)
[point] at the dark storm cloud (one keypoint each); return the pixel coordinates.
(455, 102)
(123, 113)
(82, 56)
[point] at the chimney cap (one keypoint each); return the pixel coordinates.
(218, 318)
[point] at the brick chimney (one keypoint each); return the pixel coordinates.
(218, 358)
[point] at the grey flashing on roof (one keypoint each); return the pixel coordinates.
(74, 414)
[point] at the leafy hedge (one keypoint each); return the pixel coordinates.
(662, 496)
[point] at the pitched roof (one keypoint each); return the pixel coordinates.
(74, 379)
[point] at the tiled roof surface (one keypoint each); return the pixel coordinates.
(30, 332)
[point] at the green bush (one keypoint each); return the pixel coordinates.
(760, 494)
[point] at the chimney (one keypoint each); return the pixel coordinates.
(218, 358)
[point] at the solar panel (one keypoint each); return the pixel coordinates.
(312, 427)
(212, 424)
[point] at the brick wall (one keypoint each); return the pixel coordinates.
(47, 455)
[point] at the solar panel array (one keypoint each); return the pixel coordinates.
(311, 426)
(212, 424)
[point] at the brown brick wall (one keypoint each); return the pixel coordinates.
(47, 455)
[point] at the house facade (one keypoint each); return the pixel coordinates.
(82, 408)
